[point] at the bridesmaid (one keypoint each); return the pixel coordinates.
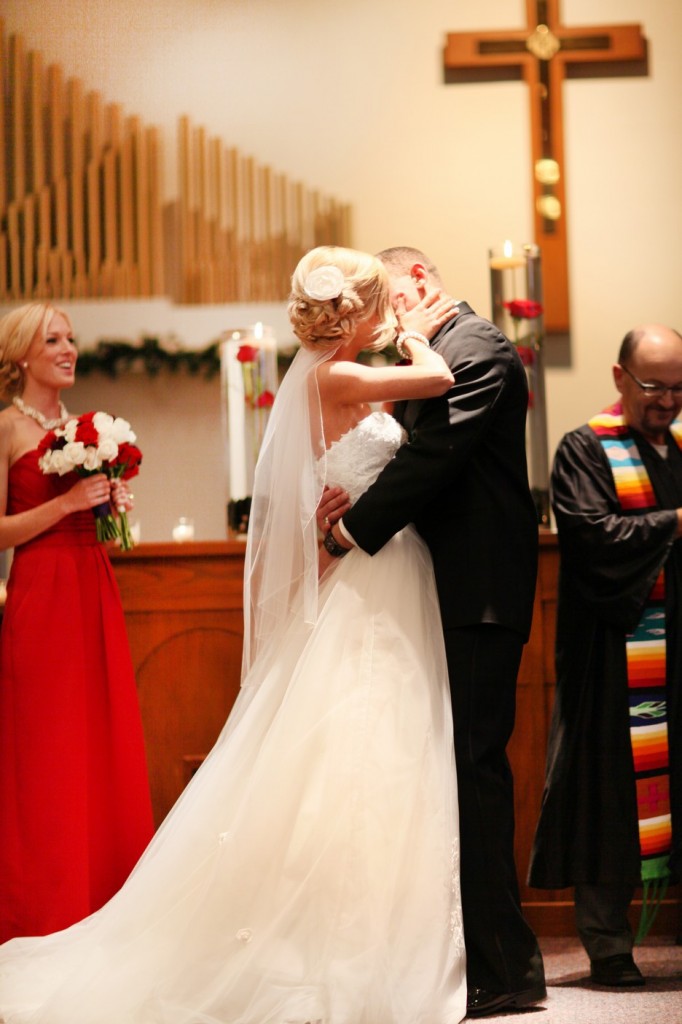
(74, 796)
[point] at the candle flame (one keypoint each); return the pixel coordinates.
(508, 248)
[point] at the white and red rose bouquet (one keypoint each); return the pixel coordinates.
(95, 443)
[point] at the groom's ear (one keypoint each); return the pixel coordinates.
(419, 275)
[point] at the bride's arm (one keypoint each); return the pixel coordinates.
(428, 376)
(346, 383)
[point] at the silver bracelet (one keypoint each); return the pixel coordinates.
(402, 338)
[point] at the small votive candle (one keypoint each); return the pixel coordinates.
(507, 259)
(183, 530)
(506, 262)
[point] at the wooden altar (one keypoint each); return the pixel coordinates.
(183, 605)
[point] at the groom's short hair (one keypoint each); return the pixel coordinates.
(401, 258)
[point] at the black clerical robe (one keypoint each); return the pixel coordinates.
(588, 831)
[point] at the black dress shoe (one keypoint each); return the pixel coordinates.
(482, 1003)
(619, 970)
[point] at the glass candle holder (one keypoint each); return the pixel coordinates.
(517, 309)
(248, 360)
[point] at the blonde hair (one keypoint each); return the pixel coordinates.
(17, 331)
(328, 323)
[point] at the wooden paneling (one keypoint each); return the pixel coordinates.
(534, 698)
(183, 606)
(105, 227)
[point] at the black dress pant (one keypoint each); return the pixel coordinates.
(502, 951)
(601, 915)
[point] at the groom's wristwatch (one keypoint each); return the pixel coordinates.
(331, 545)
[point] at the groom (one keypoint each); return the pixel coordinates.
(462, 481)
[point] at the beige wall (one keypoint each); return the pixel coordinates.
(349, 98)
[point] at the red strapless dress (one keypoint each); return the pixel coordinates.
(75, 811)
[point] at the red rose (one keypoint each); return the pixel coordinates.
(86, 432)
(523, 309)
(130, 456)
(265, 400)
(247, 354)
(526, 354)
(49, 441)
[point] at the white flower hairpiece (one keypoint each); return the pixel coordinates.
(324, 283)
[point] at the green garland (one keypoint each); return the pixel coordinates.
(114, 358)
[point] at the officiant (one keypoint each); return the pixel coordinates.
(611, 817)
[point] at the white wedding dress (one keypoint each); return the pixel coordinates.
(310, 871)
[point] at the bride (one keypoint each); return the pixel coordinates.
(310, 871)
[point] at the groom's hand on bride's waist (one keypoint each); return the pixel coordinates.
(334, 503)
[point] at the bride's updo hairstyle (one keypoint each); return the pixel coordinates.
(332, 291)
(17, 331)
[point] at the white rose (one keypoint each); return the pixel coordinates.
(107, 450)
(58, 464)
(74, 452)
(103, 424)
(69, 431)
(70, 456)
(120, 431)
(91, 460)
(324, 284)
(44, 462)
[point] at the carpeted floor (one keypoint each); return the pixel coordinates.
(573, 999)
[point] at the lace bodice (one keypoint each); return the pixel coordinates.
(356, 459)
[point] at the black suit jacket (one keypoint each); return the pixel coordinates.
(462, 480)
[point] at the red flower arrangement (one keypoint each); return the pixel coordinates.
(254, 394)
(95, 443)
(247, 354)
(523, 309)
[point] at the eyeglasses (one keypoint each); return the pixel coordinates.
(655, 390)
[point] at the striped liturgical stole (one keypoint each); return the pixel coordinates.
(645, 650)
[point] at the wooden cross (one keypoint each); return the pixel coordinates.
(543, 54)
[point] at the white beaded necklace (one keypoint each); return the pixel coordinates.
(46, 424)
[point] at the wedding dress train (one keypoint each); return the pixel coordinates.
(310, 871)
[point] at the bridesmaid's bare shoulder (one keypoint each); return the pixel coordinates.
(17, 434)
